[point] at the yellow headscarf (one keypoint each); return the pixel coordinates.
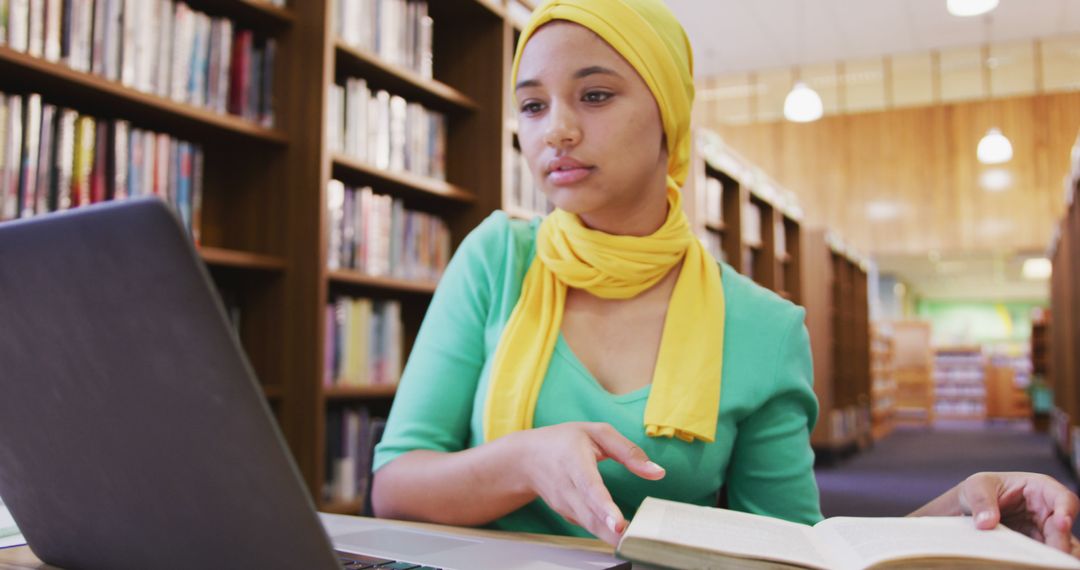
(684, 401)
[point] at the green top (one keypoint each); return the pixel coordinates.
(767, 406)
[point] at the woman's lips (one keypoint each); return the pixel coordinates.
(569, 176)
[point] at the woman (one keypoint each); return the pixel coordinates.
(606, 331)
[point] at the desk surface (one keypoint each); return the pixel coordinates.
(21, 558)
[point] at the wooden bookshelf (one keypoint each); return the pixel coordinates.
(407, 83)
(264, 212)
(882, 380)
(837, 318)
(219, 257)
(406, 184)
(960, 383)
(340, 392)
(469, 87)
(96, 95)
(771, 256)
(387, 284)
(1061, 360)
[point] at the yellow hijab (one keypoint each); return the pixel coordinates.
(684, 400)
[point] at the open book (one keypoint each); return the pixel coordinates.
(677, 535)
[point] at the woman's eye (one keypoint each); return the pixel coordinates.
(532, 107)
(596, 96)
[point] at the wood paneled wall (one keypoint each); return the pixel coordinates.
(915, 169)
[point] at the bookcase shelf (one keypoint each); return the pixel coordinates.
(389, 284)
(220, 257)
(91, 93)
(401, 81)
(343, 507)
(405, 183)
(360, 392)
(716, 227)
(258, 14)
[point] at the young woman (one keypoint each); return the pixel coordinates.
(607, 332)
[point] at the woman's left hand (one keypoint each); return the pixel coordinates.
(1030, 503)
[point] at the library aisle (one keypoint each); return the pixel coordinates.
(915, 464)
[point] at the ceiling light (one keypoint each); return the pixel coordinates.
(995, 180)
(994, 148)
(965, 8)
(1037, 269)
(803, 104)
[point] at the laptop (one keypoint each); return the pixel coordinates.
(133, 433)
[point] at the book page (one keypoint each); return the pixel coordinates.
(732, 532)
(868, 541)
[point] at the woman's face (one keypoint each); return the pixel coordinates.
(591, 131)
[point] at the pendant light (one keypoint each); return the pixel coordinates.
(965, 8)
(994, 148)
(802, 104)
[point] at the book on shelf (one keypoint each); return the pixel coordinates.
(52, 158)
(751, 220)
(525, 196)
(162, 47)
(678, 535)
(400, 32)
(714, 201)
(376, 235)
(385, 131)
(780, 238)
(366, 336)
(350, 439)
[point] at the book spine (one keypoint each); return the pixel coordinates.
(28, 170)
(121, 161)
(14, 157)
(43, 182)
(67, 10)
(3, 21)
(101, 14)
(54, 16)
(98, 173)
(266, 115)
(197, 170)
(84, 160)
(36, 28)
(131, 11)
(19, 25)
(164, 62)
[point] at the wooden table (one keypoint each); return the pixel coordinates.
(21, 558)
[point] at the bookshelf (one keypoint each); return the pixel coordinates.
(1063, 330)
(264, 218)
(882, 380)
(744, 218)
(837, 317)
(960, 374)
(913, 368)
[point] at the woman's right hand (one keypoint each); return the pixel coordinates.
(560, 465)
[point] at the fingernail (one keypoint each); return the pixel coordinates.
(611, 524)
(654, 467)
(982, 517)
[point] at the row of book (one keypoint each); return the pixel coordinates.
(525, 196)
(399, 32)
(375, 235)
(385, 130)
(156, 46)
(351, 435)
(363, 342)
(52, 158)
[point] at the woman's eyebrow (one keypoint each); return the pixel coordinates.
(593, 70)
(579, 74)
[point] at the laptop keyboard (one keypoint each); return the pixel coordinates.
(360, 562)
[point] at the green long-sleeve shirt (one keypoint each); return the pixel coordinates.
(767, 406)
